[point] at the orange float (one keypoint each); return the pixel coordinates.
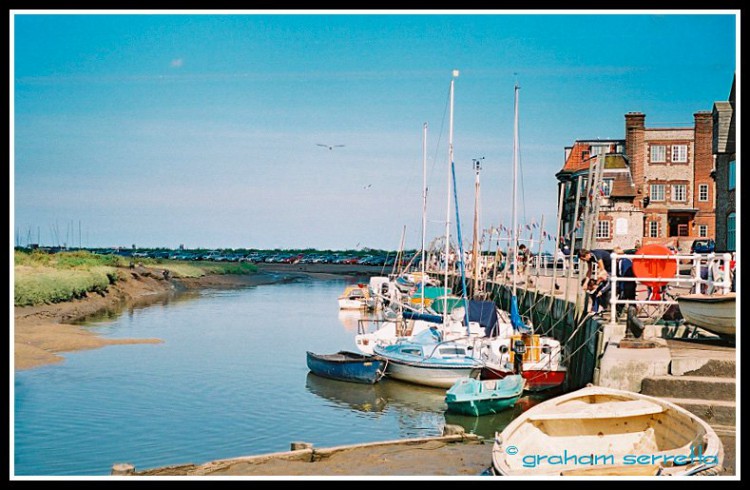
(645, 268)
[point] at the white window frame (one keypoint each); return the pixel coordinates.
(603, 229)
(703, 193)
(607, 187)
(679, 153)
(653, 229)
(683, 189)
(703, 231)
(653, 154)
(654, 194)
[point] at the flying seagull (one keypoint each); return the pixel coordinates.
(330, 147)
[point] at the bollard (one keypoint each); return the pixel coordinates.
(123, 469)
(296, 446)
(453, 430)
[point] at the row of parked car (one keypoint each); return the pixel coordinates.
(256, 257)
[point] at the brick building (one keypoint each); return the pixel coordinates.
(657, 184)
(725, 171)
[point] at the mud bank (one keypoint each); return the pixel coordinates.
(42, 332)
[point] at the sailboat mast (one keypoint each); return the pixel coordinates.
(448, 193)
(515, 185)
(475, 242)
(424, 207)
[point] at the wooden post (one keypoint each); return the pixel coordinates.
(296, 446)
(120, 469)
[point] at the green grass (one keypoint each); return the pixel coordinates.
(41, 278)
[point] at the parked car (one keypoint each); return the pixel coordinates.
(702, 246)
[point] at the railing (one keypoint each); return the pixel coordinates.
(718, 278)
(543, 265)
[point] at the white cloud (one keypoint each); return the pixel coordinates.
(176, 63)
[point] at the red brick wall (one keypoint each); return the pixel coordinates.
(703, 164)
(635, 125)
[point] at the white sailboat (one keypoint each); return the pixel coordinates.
(542, 361)
(431, 358)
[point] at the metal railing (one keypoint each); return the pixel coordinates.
(717, 278)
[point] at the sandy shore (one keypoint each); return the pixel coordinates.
(42, 332)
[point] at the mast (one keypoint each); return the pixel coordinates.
(424, 206)
(475, 243)
(515, 185)
(448, 196)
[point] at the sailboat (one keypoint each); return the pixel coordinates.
(431, 358)
(541, 357)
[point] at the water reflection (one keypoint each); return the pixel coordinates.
(417, 406)
(350, 318)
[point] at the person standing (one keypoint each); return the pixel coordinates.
(600, 287)
(625, 289)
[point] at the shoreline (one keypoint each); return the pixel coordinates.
(42, 332)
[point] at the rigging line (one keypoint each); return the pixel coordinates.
(520, 171)
(439, 138)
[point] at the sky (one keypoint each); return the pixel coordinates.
(205, 129)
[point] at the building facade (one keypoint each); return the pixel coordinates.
(723, 148)
(656, 186)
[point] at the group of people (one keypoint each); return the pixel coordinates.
(599, 286)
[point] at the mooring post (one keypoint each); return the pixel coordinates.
(296, 446)
(119, 469)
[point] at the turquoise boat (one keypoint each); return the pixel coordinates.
(469, 396)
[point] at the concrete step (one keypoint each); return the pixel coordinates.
(720, 414)
(697, 387)
(696, 366)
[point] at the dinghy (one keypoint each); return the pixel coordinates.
(716, 313)
(469, 396)
(603, 431)
(347, 366)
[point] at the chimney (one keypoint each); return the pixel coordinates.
(635, 126)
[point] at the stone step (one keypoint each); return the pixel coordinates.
(696, 366)
(720, 414)
(697, 387)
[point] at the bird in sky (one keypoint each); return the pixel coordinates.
(367, 186)
(330, 147)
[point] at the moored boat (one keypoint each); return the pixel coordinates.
(356, 297)
(716, 313)
(603, 431)
(469, 396)
(427, 360)
(347, 366)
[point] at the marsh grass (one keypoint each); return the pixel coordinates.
(41, 278)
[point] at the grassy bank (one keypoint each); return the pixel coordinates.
(41, 278)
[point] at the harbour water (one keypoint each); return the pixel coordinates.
(230, 379)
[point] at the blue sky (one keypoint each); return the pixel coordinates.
(203, 130)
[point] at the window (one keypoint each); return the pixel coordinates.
(679, 154)
(731, 175)
(607, 187)
(602, 229)
(653, 230)
(678, 192)
(658, 154)
(657, 192)
(702, 231)
(730, 232)
(703, 192)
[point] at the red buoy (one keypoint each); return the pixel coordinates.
(645, 268)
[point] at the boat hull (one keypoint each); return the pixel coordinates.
(598, 430)
(536, 379)
(475, 398)
(715, 313)
(426, 375)
(347, 366)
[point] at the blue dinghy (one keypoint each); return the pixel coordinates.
(469, 396)
(347, 366)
